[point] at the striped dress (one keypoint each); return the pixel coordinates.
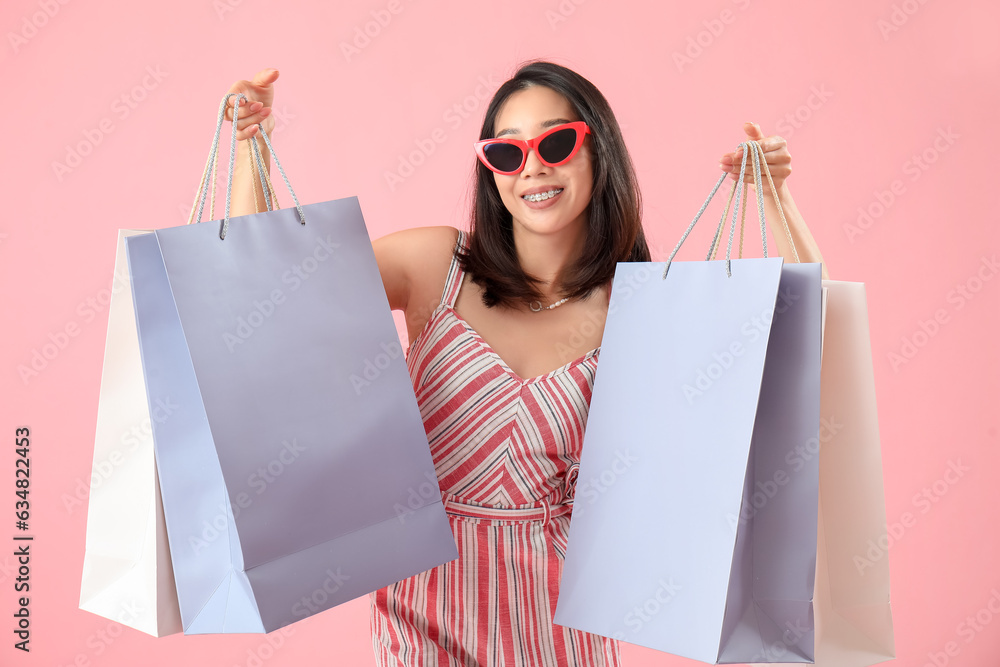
(506, 451)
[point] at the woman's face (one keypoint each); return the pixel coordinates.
(525, 115)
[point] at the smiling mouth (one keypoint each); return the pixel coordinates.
(542, 196)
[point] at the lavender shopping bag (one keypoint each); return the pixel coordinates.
(704, 545)
(288, 471)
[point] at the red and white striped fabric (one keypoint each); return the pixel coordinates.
(506, 451)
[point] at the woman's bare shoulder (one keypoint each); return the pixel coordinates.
(426, 239)
(414, 262)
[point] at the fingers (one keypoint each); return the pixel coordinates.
(776, 155)
(244, 87)
(258, 96)
(753, 130)
(253, 104)
(772, 143)
(777, 177)
(775, 152)
(256, 113)
(256, 89)
(265, 77)
(249, 118)
(754, 133)
(254, 130)
(249, 132)
(735, 159)
(775, 167)
(779, 171)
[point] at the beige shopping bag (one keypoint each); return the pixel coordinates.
(851, 599)
(127, 574)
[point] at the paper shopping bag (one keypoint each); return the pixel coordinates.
(705, 545)
(709, 383)
(853, 615)
(127, 575)
(289, 470)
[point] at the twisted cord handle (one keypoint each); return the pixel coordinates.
(743, 166)
(256, 156)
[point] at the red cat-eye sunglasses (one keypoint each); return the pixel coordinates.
(553, 147)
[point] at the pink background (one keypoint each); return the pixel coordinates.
(857, 96)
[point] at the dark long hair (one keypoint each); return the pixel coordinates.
(614, 231)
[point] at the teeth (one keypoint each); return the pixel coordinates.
(542, 196)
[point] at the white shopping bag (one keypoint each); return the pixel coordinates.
(127, 575)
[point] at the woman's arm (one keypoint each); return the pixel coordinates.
(260, 92)
(410, 262)
(392, 254)
(413, 264)
(805, 244)
(245, 179)
(779, 164)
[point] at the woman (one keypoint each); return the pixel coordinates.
(505, 324)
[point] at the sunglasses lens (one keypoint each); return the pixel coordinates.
(557, 146)
(503, 157)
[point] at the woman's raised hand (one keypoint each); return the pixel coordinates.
(260, 92)
(779, 161)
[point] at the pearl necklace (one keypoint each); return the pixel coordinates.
(537, 305)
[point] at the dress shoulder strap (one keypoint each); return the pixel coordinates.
(453, 283)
